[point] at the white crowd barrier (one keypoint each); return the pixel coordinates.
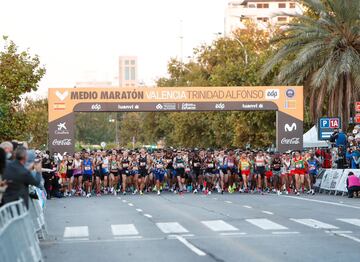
(20, 230)
(334, 180)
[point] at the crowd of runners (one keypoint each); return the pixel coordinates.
(90, 173)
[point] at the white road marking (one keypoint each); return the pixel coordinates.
(124, 201)
(128, 237)
(353, 221)
(193, 248)
(131, 204)
(76, 239)
(183, 235)
(139, 210)
(233, 234)
(266, 224)
(219, 225)
(229, 202)
(285, 233)
(323, 202)
(147, 215)
(124, 230)
(267, 212)
(247, 207)
(314, 223)
(171, 228)
(338, 232)
(82, 231)
(350, 237)
(118, 197)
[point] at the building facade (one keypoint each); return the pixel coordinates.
(128, 71)
(264, 13)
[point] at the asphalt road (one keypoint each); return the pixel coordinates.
(203, 228)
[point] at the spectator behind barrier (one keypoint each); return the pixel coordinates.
(3, 184)
(353, 185)
(19, 177)
(8, 148)
(339, 137)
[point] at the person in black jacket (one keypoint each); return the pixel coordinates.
(19, 178)
(3, 184)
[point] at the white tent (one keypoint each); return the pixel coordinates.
(311, 139)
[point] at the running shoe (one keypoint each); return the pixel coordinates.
(88, 195)
(98, 194)
(141, 193)
(158, 192)
(298, 193)
(135, 192)
(124, 193)
(195, 191)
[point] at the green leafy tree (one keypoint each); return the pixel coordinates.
(35, 116)
(19, 73)
(321, 50)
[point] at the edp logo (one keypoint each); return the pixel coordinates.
(272, 94)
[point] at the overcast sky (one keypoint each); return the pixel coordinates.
(80, 40)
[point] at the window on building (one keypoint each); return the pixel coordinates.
(292, 5)
(282, 19)
(127, 73)
(133, 73)
(282, 5)
(132, 62)
(126, 62)
(251, 6)
(263, 19)
(262, 5)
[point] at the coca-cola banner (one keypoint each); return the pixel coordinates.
(287, 101)
(62, 134)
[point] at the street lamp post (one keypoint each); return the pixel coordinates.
(111, 120)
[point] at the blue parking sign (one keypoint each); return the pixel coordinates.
(324, 122)
(327, 125)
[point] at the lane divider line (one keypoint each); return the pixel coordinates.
(193, 248)
(247, 207)
(229, 202)
(147, 215)
(130, 204)
(323, 202)
(350, 237)
(267, 212)
(139, 210)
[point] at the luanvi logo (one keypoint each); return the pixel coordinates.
(290, 128)
(62, 96)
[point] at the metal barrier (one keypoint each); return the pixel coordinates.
(38, 219)
(18, 237)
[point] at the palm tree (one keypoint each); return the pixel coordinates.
(320, 49)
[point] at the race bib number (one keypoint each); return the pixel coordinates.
(125, 165)
(180, 165)
(210, 165)
(187, 170)
(142, 164)
(230, 164)
(159, 166)
(87, 168)
(196, 164)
